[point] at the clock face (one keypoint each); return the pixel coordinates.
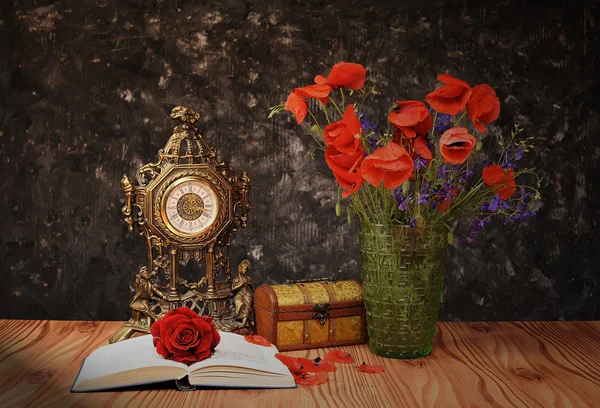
(190, 207)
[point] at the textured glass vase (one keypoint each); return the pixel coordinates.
(402, 271)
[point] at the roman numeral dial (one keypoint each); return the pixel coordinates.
(190, 207)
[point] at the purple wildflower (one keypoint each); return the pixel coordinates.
(366, 124)
(525, 215)
(372, 141)
(442, 171)
(420, 163)
(495, 204)
(525, 196)
(467, 240)
(466, 176)
(412, 223)
(401, 199)
(443, 122)
(479, 224)
(519, 154)
(423, 198)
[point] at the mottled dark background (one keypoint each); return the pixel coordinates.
(86, 88)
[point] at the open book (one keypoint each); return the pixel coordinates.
(235, 363)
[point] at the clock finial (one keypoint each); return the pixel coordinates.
(185, 115)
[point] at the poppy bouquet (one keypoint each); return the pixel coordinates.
(423, 165)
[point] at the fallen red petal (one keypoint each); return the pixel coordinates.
(310, 366)
(290, 362)
(371, 369)
(339, 356)
(311, 379)
(256, 339)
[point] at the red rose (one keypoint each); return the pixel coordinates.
(346, 75)
(500, 180)
(450, 98)
(344, 134)
(297, 105)
(483, 107)
(184, 336)
(412, 117)
(456, 144)
(346, 168)
(391, 163)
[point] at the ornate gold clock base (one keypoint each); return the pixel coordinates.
(127, 330)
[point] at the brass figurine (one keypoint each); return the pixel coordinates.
(244, 294)
(187, 205)
(144, 288)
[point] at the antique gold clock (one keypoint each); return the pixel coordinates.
(186, 206)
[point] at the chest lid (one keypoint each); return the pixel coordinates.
(306, 296)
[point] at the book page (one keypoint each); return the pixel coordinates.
(127, 355)
(235, 351)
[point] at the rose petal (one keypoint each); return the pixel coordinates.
(185, 311)
(160, 349)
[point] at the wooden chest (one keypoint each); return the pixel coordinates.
(309, 314)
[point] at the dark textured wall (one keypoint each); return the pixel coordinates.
(86, 88)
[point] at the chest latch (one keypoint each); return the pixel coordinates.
(321, 312)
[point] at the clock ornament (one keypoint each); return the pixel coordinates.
(186, 207)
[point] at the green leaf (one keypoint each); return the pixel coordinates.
(450, 237)
(478, 145)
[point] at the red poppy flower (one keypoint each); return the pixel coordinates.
(256, 339)
(456, 144)
(345, 168)
(344, 134)
(412, 117)
(500, 180)
(311, 379)
(346, 75)
(297, 105)
(339, 356)
(420, 148)
(391, 163)
(483, 107)
(317, 91)
(371, 369)
(452, 97)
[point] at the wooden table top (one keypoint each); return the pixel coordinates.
(520, 364)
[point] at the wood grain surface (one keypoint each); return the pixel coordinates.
(519, 364)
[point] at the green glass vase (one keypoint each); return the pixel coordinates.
(402, 270)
